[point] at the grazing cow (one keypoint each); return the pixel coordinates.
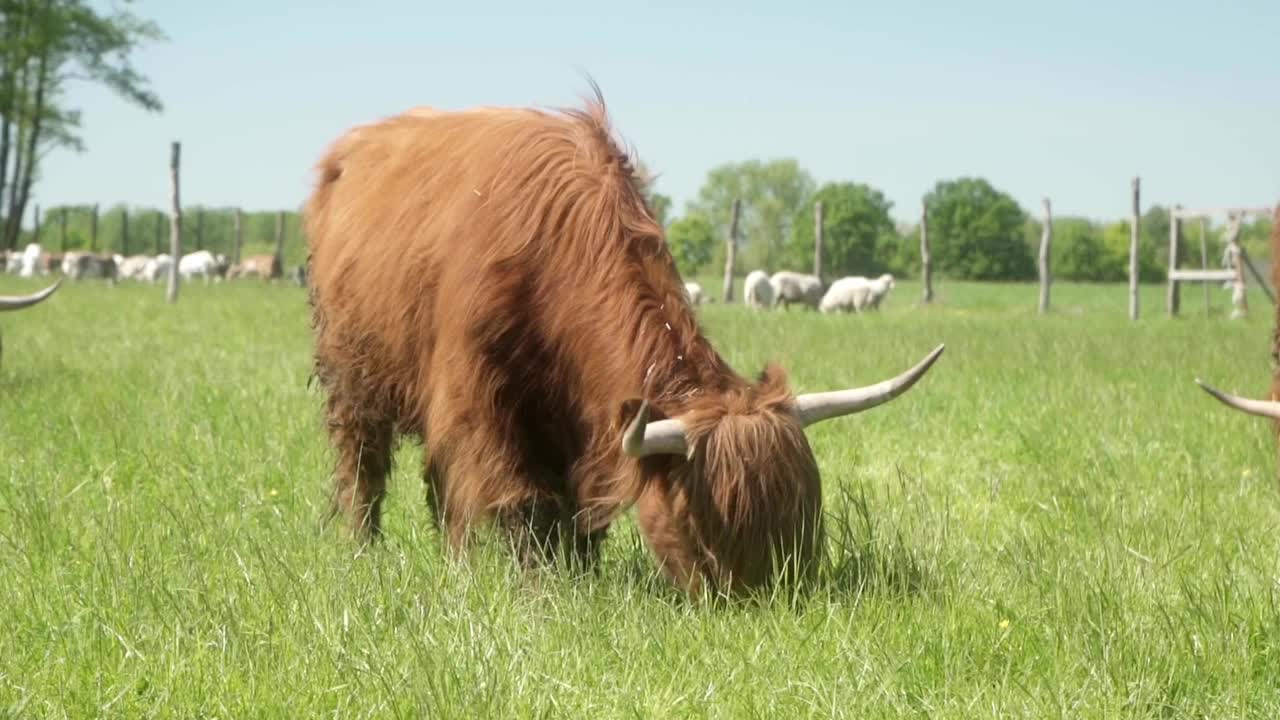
(792, 287)
(300, 276)
(157, 268)
(79, 266)
(1269, 408)
(51, 263)
(694, 291)
(856, 294)
(12, 261)
(203, 264)
(133, 267)
(266, 267)
(493, 282)
(32, 257)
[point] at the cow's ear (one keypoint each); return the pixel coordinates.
(627, 411)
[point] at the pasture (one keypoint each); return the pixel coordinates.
(1054, 523)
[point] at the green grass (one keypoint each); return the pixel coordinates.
(1055, 523)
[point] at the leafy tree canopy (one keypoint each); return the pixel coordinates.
(976, 232)
(858, 233)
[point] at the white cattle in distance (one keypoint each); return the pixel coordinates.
(204, 264)
(757, 292)
(793, 287)
(157, 268)
(82, 265)
(856, 294)
(32, 255)
(132, 267)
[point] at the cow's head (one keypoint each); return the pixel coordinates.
(734, 499)
(17, 302)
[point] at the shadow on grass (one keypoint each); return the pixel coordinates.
(865, 555)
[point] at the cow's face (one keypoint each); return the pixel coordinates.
(739, 502)
(743, 508)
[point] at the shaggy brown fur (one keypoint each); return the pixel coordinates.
(493, 281)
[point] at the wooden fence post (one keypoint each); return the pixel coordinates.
(731, 258)
(1046, 240)
(280, 239)
(175, 222)
(1173, 296)
(93, 228)
(124, 232)
(1262, 283)
(926, 260)
(1204, 265)
(239, 236)
(1135, 221)
(818, 220)
(1239, 298)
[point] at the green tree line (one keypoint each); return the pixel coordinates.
(976, 231)
(145, 231)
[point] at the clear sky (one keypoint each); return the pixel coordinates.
(1065, 100)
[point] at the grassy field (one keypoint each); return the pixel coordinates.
(1054, 523)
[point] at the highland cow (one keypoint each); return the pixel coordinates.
(494, 282)
(1269, 408)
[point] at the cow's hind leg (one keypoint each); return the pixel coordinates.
(364, 461)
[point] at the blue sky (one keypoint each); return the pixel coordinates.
(1065, 100)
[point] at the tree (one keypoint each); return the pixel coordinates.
(858, 234)
(659, 204)
(977, 232)
(1080, 255)
(692, 242)
(47, 45)
(1115, 243)
(1255, 236)
(772, 193)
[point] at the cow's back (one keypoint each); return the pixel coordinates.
(401, 234)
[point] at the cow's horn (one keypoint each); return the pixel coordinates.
(816, 407)
(17, 302)
(1263, 408)
(661, 437)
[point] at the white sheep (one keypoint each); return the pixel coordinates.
(856, 294)
(694, 291)
(757, 293)
(792, 287)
